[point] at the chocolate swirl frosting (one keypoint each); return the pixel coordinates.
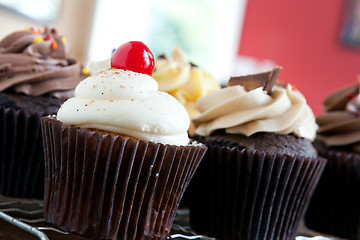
(339, 125)
(37, 63)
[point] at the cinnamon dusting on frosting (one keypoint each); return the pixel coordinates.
(140, 111)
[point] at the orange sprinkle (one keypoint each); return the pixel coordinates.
(54, 45)
(293, 88)
(36, 32)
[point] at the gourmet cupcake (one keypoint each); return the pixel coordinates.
(36, 76)
(335, 208)
(183, 80)
(260, 170)
(117, 155)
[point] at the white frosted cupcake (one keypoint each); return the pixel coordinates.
(117, 156)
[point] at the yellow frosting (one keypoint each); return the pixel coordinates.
(184, 82)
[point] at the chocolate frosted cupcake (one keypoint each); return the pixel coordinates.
(335, 208)
(256, 179)
(117, 155)
(36, 76)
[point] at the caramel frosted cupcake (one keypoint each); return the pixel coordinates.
(36, 76)
(183, 80)
(256, 179)
(335, 208)
(117, 155)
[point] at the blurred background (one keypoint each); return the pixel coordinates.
(316, 42)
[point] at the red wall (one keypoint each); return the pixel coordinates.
(303, 37)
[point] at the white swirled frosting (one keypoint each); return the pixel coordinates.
(284, 111)
(127, 103)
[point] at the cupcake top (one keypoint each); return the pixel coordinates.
(339, 125)
(184, 80)
(37, 63)
(252, 104)
(127, 102)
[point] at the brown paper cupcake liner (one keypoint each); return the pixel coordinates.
(334, 208)
(107, 187)
(245, 194)
(21, 154)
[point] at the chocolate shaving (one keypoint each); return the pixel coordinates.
(162, 56)
(4, 68)
(193, 65)
(71, 61)
(253, 81)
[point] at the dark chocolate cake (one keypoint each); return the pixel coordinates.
(334, 208)
(266, 142)
(43, 105)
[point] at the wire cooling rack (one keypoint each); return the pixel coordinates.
(28, 215)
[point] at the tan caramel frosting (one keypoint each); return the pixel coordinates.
(36, 63)
(283, 111)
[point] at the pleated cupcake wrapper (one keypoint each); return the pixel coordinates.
(107, 187)
(335, 206)
(247, 195)
(21, 154)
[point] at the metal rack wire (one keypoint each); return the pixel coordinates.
(28, 214)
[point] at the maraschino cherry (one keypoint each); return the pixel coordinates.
(134, 56)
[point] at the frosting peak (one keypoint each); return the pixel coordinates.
(127, 103)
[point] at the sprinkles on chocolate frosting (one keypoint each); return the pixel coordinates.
(54, 45)
(46, 61)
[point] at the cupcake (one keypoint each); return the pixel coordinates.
(260, 170)
(117, 155)
(36, 76)
(335, 208)
(183, 80)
